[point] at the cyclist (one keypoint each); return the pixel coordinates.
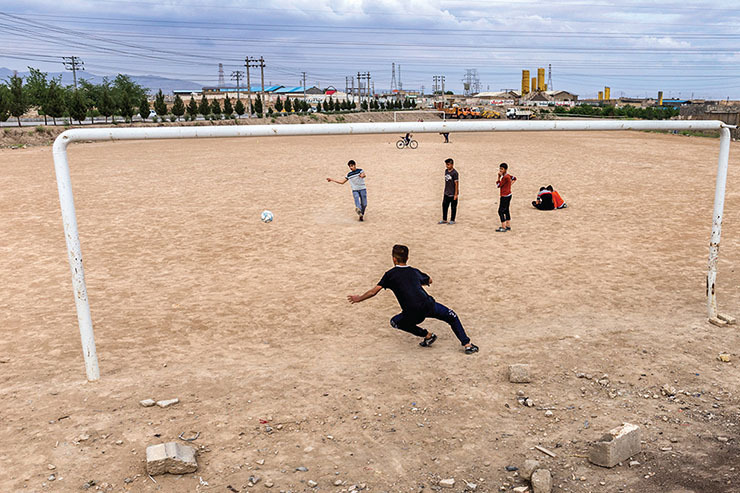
(407, 138)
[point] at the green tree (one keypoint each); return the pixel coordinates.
(78, 106)
(37, 88)
(144, 109)
(178, 108)
(159, 105)
(204, 108)
(239, 108)
(412, 103)
(228, 108)
(215, 107)
(279, 105)
(106, 104)
(91, 94)
(126, 106)
(4, 103)
(258, 105)
(192, 108)
(18, 104)
(288, 104)
(54, 105)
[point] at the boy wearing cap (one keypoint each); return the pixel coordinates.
(356, 178)
(406, 283)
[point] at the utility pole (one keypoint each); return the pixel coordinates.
(249, 87)
(304, 86)
(237, 75)
(74, 64)
(254, 63)
(444, 97)
(549, 77)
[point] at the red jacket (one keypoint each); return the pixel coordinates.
(504, 184)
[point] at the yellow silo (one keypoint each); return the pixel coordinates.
(607, 93)
(525, 82)
(660, 98)
(601, 95)
(541, 79)
(534, 84)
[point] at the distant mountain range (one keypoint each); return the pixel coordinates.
(151, 82)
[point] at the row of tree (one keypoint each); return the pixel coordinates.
(651, 113)
(52, 99)
(124, 97)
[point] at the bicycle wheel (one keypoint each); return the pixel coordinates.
(400, 144)
(413, 144)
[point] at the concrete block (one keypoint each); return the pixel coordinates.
(519, 373)
(147, 402)
(168, 402)
(170, 457)
(717, 321)
(618, 445)
(729, 319)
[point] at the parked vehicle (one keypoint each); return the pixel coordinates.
(519, 114)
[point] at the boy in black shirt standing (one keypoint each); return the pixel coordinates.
(452, 189)
(416, 305)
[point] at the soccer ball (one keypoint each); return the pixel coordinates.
(266, 216)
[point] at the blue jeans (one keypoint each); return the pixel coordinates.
(360, 197)
(408, 322)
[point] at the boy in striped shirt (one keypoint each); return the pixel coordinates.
(356, 178)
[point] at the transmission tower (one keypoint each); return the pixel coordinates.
(471, 82)
(549, 77)
(394, 87)
(221, 82)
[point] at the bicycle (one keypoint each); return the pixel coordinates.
(402, 142)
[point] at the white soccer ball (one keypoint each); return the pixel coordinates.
(266, 216)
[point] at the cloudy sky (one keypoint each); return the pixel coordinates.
(686, 49)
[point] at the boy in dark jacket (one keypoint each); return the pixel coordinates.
(416, 305)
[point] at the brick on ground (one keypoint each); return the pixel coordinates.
(618, 445)
(170, 457)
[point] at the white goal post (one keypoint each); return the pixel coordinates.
(416, 112)
(69, 217)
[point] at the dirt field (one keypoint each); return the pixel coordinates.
(248, 324)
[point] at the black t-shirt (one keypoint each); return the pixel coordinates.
(450, 178)
(406, 283)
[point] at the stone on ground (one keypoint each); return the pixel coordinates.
(541, 481)
(519, 373)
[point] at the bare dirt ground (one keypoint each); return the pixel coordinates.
(248, 324)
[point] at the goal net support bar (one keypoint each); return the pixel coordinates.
(69, 217)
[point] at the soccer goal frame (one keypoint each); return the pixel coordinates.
(69, 217)
(416, 112)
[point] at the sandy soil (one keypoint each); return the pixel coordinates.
(248, 324)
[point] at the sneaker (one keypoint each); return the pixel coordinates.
(451, 223)
(472, 349)
(442, 222)
(358, 211)
(362, 217)
(501, 230)
(508, 228)
(428, 342)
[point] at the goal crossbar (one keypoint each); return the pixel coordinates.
(69, 217)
